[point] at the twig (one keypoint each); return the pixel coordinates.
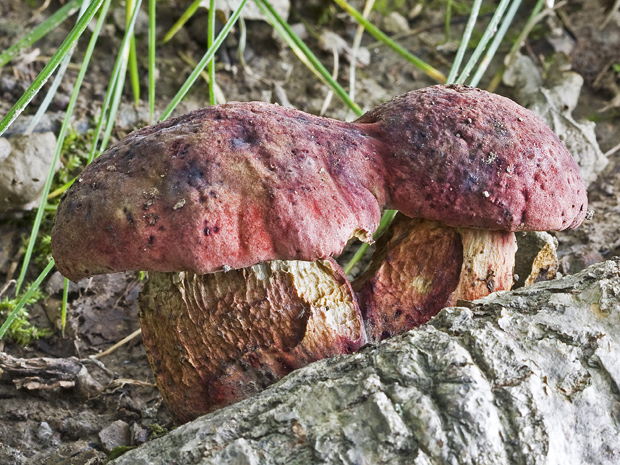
(118, 344)
(99, 364)
(357, 41)
(6, 286)
(609, 153)
(120, 382)
(330, 93)
(610, 15)
(42, 8)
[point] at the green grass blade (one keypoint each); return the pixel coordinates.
(182, 20)
(486, 60)
(41, 30)
(33, 287)
(529, 24)
(44, 75)
(210, 39)
(119, 65)
(380, 36)
(359, 253)
(120, 81)
(448, 19)
(61, 189)
(471, 22)
(117, 93)
(63, 309)
(357, 42)
(386, 220)
(204, 61)
(534, 17)
(61, 137)
(484, 40)
(305, 54)
(133, 57)
(152, 46)
(60, 75)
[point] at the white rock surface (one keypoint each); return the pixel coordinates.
(525, 377)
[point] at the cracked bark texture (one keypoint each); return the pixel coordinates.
(525, 377)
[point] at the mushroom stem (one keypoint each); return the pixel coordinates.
(488, 263)
(218, 338)
(422, 266)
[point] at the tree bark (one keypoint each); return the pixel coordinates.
(525, 377)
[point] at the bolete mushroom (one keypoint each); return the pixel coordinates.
(513, 163)
(217, 338)
(421, 266)
(240, 184)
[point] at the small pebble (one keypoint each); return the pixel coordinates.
(44, 432)
(117, 434)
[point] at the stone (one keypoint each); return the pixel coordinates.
(554, 98)
(250, 10)
(395, 23)
(24, 169)
(527, 376)
(117, 434)
(536, 258)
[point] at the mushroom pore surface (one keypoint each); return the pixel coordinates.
(242, 183)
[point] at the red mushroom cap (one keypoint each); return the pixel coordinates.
(223, 187)
(237, 184)
(470, 158)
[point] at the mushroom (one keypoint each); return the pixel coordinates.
(421, 266)
(243, 186)
(486, 167)
(217, 338)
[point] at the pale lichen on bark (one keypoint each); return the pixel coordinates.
(525, 377)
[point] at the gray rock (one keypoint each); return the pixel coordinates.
(51, 121)
(331, 41)
(528, 377)
(117, 434)
(395, 23)
(139, 435)
(44, 432)
(24, 170)
(5, 149)
(536, 259)
(81, 424)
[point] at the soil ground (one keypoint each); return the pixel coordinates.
(51, 424)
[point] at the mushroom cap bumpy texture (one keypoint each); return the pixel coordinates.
(470, 158)
(237, 184)
(223, 187)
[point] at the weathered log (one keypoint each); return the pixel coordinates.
(44, 373)
(526, 377)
